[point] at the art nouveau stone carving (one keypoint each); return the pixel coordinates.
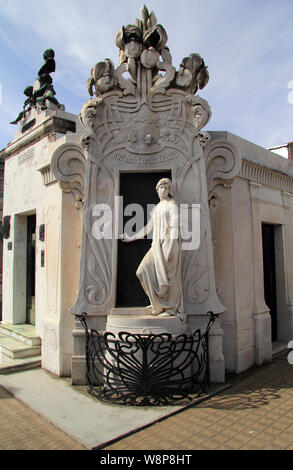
(223, 162)
(69, 165)
(192, 74)
(102, 77)
(143, 116)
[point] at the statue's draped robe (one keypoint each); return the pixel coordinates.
(161, 279)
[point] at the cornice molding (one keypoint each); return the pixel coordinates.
(52, 125)
(265, 176)
(47, 175)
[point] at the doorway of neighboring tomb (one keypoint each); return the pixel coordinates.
(269, 265)
(138, 188)
(31, 269)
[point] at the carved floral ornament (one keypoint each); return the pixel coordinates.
(137, 108)
(146, 69)
(145, 43)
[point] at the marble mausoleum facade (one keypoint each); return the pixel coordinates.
(144, 121)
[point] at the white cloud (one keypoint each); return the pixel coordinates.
(246, 45)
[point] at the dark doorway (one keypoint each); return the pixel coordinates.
(30, 269)
(139, 188)
(269, 264)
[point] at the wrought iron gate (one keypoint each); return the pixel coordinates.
(146, 369)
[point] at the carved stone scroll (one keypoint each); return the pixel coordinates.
(223, 162)
(69, 165)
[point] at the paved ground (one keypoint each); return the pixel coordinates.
(255, 413)
(90, 422)
(23, 429)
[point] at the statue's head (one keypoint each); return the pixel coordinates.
(28, 91)
(49, 54)
(167, 183)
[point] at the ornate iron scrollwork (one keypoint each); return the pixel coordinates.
(146, 369)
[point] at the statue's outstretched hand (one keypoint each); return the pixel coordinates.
(125, 238)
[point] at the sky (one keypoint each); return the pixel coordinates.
(246, 44)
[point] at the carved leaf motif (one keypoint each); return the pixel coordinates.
(152, 20)
(98, 286)
(203, 78)
(144, 14)
(138, 24)
(155, 37)
(126, 86)
(188, 181)
(118, 39)
(163, 82)
(98, 264)
(195, 275)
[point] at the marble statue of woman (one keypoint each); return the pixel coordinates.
(160, 270)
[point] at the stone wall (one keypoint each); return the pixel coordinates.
(31, 188)
(262, 192)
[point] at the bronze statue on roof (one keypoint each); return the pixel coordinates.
(43, 90)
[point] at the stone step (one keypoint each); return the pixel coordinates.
(8, 365)
(278, 347)
(24, 333)
(15, 349)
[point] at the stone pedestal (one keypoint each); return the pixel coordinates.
(138, 321)
(143, 337)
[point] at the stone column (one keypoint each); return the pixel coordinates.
(284, 239)
(18, 273)
(262, 319)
